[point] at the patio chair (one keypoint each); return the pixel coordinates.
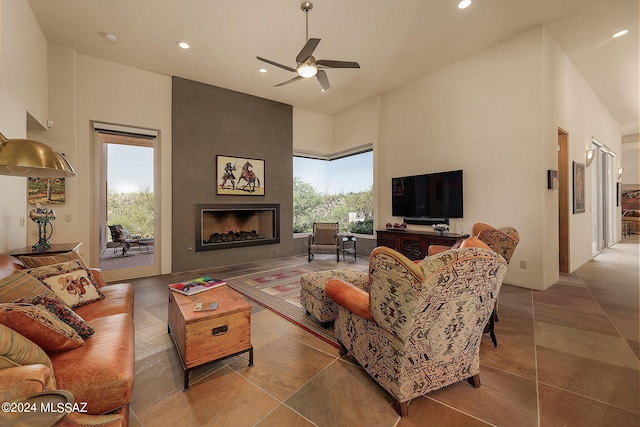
(324, 239)
(121, 239)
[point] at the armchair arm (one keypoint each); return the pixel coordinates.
(19, 381)
(350, 297)
(97, 276)
(436, 249)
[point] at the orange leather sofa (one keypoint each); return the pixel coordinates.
(98, 373)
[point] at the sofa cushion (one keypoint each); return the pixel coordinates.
(118, 298)
(40, 326)
(41, 261)
(16, 350)
(100, 372)
(64, 313)
(22, 285)
(71, 282)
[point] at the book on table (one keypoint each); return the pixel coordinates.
(192, 287)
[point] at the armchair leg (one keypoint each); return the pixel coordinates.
(402, 408)
(343, 350)
(474, 380)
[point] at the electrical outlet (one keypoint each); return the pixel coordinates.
(523, 264)
(21, 221)
(67, 218)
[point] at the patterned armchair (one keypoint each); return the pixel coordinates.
(502, 240)
(324, 239)
(419, 328)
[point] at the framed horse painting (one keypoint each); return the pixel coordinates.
(239, 176)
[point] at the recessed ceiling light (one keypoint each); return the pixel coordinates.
(262, 70)
(110, 38)
(464, 4)
(620, 33)
(183, 45)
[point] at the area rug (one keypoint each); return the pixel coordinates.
(279, 291)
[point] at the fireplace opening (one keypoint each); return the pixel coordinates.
(227, 226)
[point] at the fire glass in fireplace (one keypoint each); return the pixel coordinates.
(230, 226)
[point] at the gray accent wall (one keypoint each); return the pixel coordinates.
(209, 121)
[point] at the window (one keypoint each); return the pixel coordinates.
(339, 189)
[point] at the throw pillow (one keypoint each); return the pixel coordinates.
(70, 282)
(21, 285)
(16, 350)
(40, 326)
(41, 261)
(62, 312)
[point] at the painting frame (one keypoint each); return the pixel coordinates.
(578, 187)
(239, 176)
(46, 191)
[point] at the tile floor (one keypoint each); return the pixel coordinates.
(568, 356)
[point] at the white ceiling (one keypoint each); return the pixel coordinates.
(395, 42)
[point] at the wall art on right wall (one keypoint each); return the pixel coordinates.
(578, 188)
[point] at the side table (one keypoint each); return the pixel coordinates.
(56, 248)
(349, 240)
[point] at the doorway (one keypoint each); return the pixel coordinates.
(563, 201)
(603, 197)
(127, 221)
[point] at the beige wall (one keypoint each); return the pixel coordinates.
(577, 110)
(112, 93)
(483, 115)
(630, 160)
(23, 88)
(311, 133)
(356, 126)
(495, 115)
(62, 112)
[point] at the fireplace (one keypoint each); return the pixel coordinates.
(231, 226)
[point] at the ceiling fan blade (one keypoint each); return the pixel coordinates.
(289, 81)
(307, 50)
(337, 64)
(276, 64)
(323, 79)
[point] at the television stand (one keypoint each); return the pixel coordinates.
(415, 244)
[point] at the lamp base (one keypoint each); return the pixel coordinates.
(42, 245)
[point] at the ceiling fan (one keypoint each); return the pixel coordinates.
(306, 65)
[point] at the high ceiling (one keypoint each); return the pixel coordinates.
(395, 42)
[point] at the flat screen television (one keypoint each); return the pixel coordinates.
(434, 195)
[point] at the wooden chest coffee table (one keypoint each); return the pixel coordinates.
(209, 336)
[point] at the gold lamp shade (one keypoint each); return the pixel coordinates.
(25, 157)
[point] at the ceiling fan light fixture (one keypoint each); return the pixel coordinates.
(619, 33)
(307, 70)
